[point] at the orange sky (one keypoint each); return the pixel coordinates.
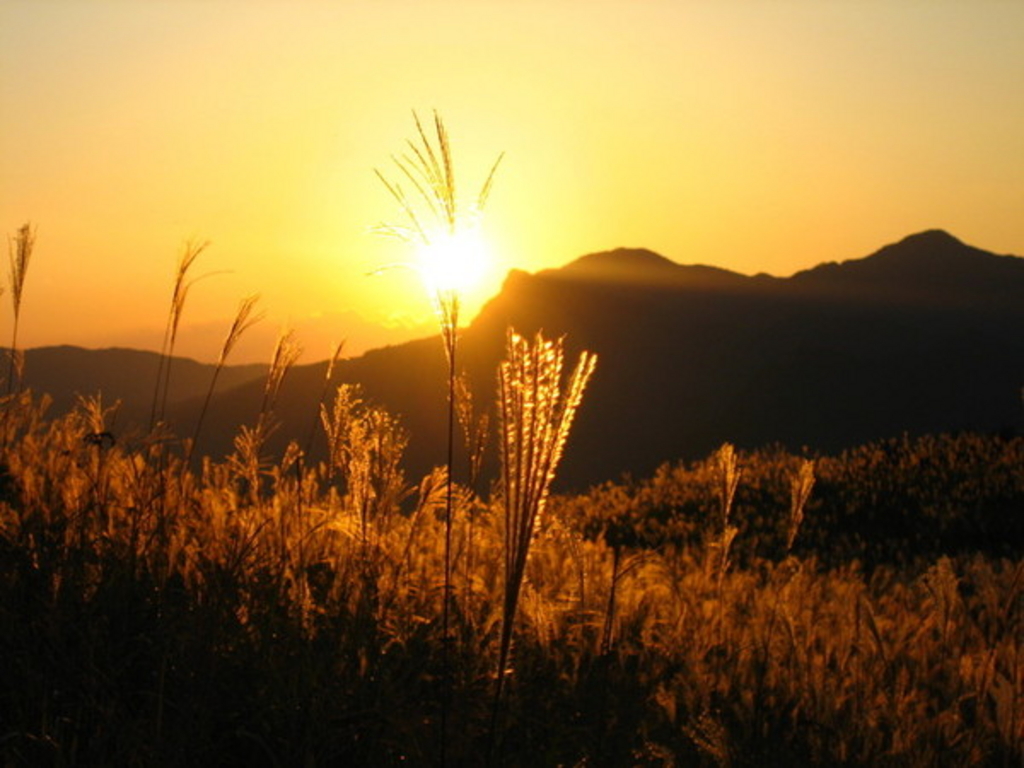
(757, 136)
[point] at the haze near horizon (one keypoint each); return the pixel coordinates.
(758, 137)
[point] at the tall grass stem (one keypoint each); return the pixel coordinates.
(19, 253)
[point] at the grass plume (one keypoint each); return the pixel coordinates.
(332, 361)
(245, 318)
(287, 351)
(157, 622)
(182, 284)
(800, 486)
(365, 447)
(536, 416)
(19, 253)
(426, 193)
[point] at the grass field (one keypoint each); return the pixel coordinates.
(749, 609)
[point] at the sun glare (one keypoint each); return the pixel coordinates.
(454, 261)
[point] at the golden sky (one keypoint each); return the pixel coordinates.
(760, 136)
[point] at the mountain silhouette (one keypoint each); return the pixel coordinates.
(922, 336)
(932, 267)
(124, 376)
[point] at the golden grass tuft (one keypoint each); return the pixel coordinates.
(158, 603)
(190, 251)
(19, 253)
(536, 415)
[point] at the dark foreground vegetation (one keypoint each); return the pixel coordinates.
(750, 609)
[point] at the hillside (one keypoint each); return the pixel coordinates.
(124, 376)
(923, 336)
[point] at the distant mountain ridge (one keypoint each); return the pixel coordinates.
(641, 266)
(125, 376)
(931, 266)
(924, 335)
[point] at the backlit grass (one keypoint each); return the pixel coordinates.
(257, 612)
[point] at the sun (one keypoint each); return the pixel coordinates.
(455, 262)
(451, 256)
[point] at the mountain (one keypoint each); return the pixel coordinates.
(922, 336)
(128, 376)
(638, 266)
(932, 267)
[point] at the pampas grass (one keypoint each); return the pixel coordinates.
(182, 284)
(265, 611)
(432, 210)
(800, 486)
(216, 627)
(365, 448)
(727, 472)
(245, 317)
(19, 253)
(286, 353)
(248, 458)
(536, 416)
(332, 361)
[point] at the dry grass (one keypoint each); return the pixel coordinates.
(432, 211)
(146, 618)
(262, 610)
(245, 318)
(19, 253)
(800, 487)
(182, 285)
(536, 416)
(427, 195)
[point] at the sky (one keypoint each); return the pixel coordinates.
(758, 136)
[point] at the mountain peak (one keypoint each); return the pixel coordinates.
(620, 262)
(926, 248)
(930, 238)
(640, 266)
(931, 267)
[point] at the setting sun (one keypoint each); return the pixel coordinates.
(442, 228)
(455, 261)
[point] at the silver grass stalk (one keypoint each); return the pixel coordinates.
(536, 416)
(286, 352)
(727, 472)
(728, 475)
(430, 206)
(182, 284)
(245, 318)
(248, 460)
(475, 428)
(800, 486)
(328, 376)
(425, 191)
(365, 448)
(19, 253)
